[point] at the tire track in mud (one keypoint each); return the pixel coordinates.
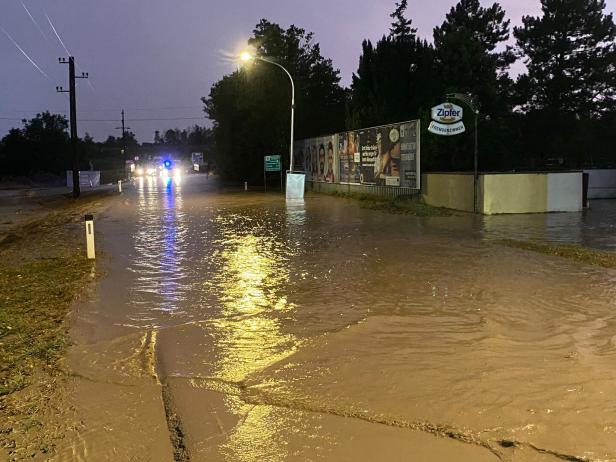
(257, 397)
(174, 422)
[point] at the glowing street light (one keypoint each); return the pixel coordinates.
(246, 57)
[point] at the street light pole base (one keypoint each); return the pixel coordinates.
(296, 184)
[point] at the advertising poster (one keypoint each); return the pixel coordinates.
(409, 154)
(388, 155)
(348, 153)
(320, 159)
(369, 151)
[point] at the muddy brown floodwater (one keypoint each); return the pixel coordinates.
(235, 327)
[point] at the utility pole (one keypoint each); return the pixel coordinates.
(473, 103)
(73, 113)
(123, 128)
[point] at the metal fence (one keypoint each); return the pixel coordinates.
(389, 192)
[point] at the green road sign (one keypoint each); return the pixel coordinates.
(272, 163)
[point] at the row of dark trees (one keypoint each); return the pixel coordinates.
(560, 113)
(42, 145)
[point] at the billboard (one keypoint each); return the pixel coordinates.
(348, 153)
(388, 155)
(320, 158)
(197, 158)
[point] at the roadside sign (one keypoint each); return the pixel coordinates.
(272, 164)
(447, 120)
(197, 158)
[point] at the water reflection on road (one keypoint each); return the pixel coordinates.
(160, 244)
(250, 287)
(595, 227)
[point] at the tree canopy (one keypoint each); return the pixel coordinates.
(570, 54)
(250, 108)
(568, 95)
(42, 145)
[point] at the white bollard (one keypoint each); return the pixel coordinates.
(120, 186)
(245, 185)
(89, 219)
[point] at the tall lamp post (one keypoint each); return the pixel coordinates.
(472, 103)
(247, 57)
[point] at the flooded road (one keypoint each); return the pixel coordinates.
(594, 227)
(252, 330)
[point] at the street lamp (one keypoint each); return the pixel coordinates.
(247, 57)
(472, 103)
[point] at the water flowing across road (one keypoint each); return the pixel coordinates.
(258, 330)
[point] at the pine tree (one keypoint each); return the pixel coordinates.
(469, 59)
(401, 27)
(466, 46)
(395, 78)
(570, 53)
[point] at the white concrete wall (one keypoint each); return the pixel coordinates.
(565, 192)
(87, 178)
(602, 183)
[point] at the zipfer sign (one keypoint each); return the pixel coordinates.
(447, 120)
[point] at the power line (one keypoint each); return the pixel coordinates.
(170, 118)
(169, 108)
(115, 120)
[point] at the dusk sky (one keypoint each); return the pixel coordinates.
(156, 58)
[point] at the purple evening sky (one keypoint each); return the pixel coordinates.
(156, 58)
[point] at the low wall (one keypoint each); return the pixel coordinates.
(565, 192)
(504, 193)
(87, 178)
(450, 190)
(518, 193)
(531, 192)
(497, 193)
(601, 183)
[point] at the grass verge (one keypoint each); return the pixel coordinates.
(400, 205)
(43, 268)
(572, 252)
(34, 299)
